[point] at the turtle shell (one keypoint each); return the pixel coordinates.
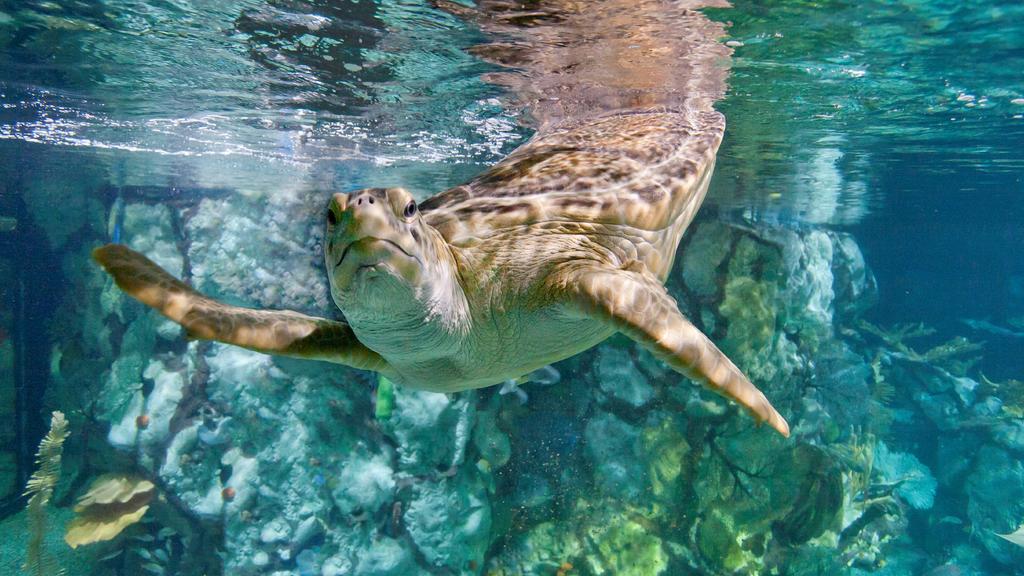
(640, 169)
(621, 98)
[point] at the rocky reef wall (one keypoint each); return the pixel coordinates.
(275, 466)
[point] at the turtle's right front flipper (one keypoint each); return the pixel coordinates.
(270, 331)
(636, 304)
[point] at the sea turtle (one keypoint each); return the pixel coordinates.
(562, 244)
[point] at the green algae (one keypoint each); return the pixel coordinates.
(726, 547)
(665, 449)
(625, 548)
(747, 306)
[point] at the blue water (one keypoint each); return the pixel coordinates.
(214, 133)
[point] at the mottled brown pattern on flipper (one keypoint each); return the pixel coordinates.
(621, 95)
(271, 331)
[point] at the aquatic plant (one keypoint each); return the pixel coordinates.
(1010, 391)
(820, 501)
(112, 503)
(858, 454)
(952, 354)
(882, 390)
(39, 490)
(882, 394)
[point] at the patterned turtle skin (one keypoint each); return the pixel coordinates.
(562, 244)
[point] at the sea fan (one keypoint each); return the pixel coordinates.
(39, 490)
(916, 483)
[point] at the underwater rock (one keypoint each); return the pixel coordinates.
(124, 432)
(386, 557)
(750, 308)
(450, 521)
(747, 306)
(807, 296)
(720, 544)
(149, 229)
(620, 379)
(841, 377)
(708, 244)
(623, 547)
(365, 484)
(942, 409)
(541, 550)
(614, 450)
(280, 271)
(162, 402)
(966, 389)
(995, 501)
(853, 284)
(243, 481)
(424, 425)
(277, 530)
(665, 450)
(491, 442)
(1009, 435)
(950, 452)
(779, 294)
(988, 409)
(121, 400)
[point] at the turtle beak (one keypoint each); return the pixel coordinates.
(339, 202)
(363, 224)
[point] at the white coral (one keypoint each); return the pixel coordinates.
(917, 484)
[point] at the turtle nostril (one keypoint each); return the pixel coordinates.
(370, 199)
(332, 218)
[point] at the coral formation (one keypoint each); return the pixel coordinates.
(622, 468)
(39, 490)
(112, 503)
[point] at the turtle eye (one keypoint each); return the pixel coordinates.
(332, 219)
(410, 209)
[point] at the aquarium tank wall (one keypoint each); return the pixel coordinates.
(859, 256)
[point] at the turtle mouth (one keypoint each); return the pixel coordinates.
(394, 245)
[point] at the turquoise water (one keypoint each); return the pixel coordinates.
(858, 255)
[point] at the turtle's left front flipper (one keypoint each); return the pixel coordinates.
(270, 331)
(640, 307)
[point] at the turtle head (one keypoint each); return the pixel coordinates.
(383, 259)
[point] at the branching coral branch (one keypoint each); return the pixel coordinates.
(39, 490)
(950, 354)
